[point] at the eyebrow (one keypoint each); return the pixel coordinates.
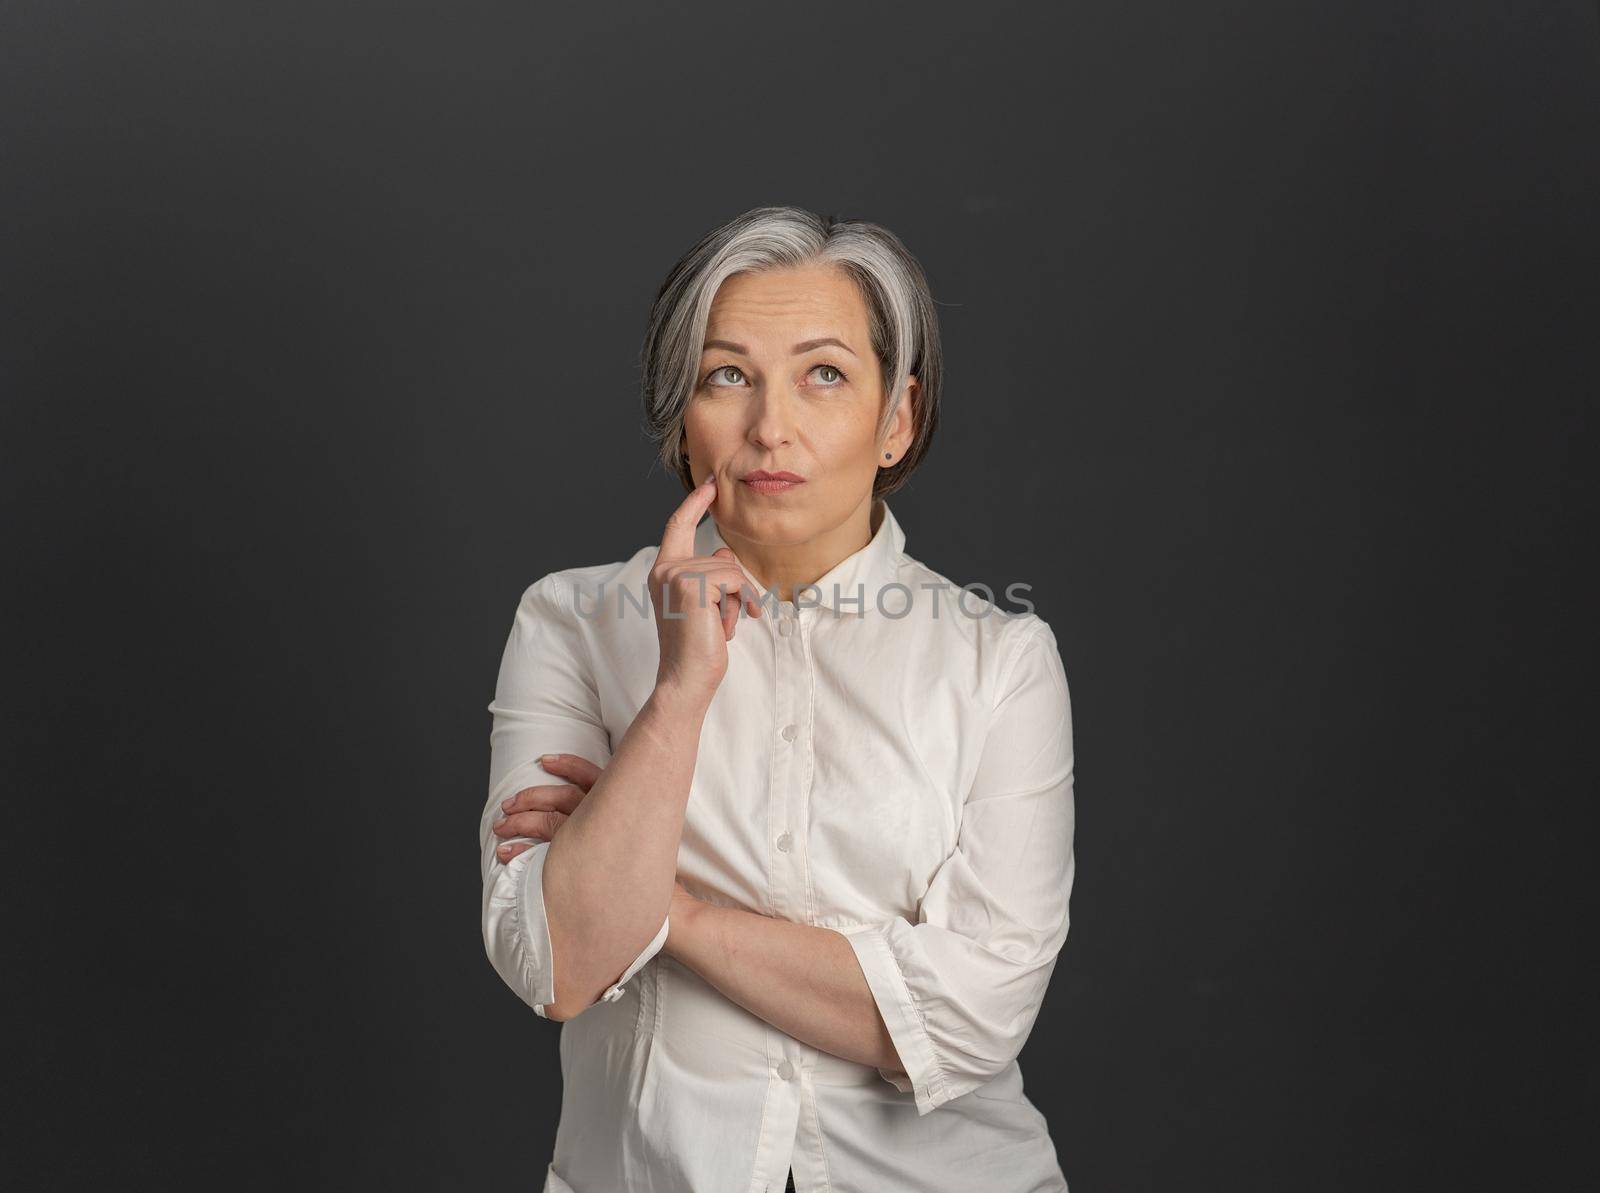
(804, 346)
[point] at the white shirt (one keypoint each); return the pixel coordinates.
(904, 779)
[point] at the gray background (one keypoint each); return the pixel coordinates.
(1271, 367)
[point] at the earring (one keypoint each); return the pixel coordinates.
(885, 455)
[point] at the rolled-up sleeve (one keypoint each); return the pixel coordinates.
(545, 703)
(960, 989)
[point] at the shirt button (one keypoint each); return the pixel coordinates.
(786, 1071)
(784, 842)
(785, 627)
(788, 732)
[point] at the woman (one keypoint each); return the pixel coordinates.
(780, 820)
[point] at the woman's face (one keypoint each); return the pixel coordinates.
(773, 396)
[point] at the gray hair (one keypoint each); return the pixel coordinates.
(900, 313)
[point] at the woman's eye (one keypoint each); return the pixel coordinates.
(731, 375)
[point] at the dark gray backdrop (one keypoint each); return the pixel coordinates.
(1270, 342)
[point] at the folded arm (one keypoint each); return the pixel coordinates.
(942, 1005)
(960, 989)
(569, 920)
(803, 980)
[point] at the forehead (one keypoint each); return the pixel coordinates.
(815, 300)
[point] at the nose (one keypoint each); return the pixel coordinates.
(772, 418)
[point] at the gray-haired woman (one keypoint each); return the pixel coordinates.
(780, 820)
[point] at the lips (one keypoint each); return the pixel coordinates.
(763, 481)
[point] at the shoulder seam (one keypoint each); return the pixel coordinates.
(570, 608)
(1017, 652)
(563, 591)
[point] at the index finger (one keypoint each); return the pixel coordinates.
(575, 767)
(678, 541)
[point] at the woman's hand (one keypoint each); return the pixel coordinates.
(701, 594)
(541, 811)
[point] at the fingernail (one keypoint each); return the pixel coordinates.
(505, 804)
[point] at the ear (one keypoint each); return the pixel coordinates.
(903, 426)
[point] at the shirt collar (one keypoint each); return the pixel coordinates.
(861, 574)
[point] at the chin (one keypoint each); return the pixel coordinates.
(774, 526)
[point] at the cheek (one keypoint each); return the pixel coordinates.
(848, 443)
(703, 432)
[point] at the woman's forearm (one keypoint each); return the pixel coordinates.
(803, 980)
(609, 875)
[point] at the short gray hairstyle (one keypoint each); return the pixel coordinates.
(900, 313)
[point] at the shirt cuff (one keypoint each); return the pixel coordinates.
(536, 926)
(533, 925)
(923, 1078)
(650, 950)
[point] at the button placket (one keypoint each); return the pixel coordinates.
(804, 750)
(791, 705)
